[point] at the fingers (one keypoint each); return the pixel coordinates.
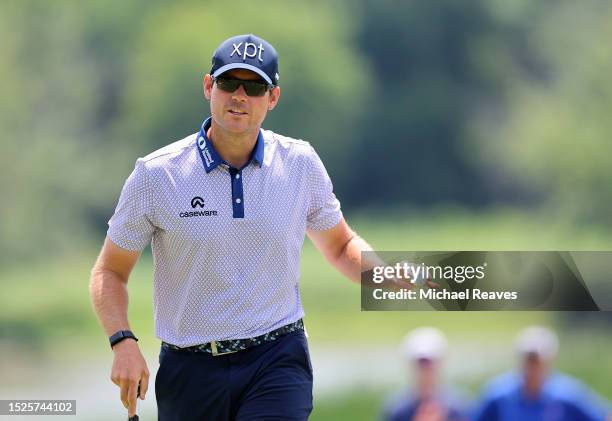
(128, 391)
(432, 284)
(131, 398)
(115, 378)
(124, 389)
(144, 384)
(402, 283)
(130, 373)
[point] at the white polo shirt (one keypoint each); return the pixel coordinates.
(226, 242)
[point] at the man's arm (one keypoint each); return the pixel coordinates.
(109, 296)
(342, 247)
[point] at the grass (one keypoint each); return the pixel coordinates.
(356, 405)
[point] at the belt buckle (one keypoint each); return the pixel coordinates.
(215, 351)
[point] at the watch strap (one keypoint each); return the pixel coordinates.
(120, 335)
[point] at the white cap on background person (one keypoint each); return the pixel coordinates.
(537, 340)
(424, 343)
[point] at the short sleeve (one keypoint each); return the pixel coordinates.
(486, 411)
(131, 225)
(324, 208)
(488, 408)
(587, 406)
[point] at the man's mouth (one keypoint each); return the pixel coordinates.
(236, 112)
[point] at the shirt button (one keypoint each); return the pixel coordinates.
(237, 176)
(238, 200)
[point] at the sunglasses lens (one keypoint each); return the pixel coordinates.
(227, 85)
(254, 88)
(251, 88)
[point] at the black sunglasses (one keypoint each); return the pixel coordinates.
(251, 87)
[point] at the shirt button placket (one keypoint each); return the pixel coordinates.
(237, 193)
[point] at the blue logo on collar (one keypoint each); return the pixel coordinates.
(210, 157)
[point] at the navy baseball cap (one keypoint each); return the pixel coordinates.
(246, 52)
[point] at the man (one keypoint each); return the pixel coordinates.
(538, 393)
(423, 350)
(226, 211)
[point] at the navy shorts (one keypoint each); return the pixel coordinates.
(272, 381)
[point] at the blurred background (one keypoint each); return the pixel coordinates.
(445, 125)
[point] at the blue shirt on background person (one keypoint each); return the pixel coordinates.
(537, 392)
(562, 398)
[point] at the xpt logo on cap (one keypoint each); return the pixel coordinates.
(245, 50)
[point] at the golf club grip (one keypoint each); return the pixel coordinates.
(134, 418)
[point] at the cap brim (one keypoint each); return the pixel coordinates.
(245, 66)
(540, 353)
(425, 355)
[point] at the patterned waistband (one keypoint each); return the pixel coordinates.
(235, 345)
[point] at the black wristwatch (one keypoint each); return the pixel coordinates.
(117, 337)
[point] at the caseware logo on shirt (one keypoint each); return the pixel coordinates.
(198, 202)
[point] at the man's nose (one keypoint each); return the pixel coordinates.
(240, 93)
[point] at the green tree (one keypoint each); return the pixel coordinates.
(554, 132)
(426, 84)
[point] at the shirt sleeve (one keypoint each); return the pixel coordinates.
(324, 208)
(131, 225)
(487, 409)
(585, 405)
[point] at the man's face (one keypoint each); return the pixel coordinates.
(426, 373)
(535, 371)
(236, 112)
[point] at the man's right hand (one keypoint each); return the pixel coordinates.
(130, 371)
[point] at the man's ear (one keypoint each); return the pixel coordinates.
(207, 84)
(274, 97)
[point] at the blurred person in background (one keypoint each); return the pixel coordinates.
(423, 350)
(538, 392)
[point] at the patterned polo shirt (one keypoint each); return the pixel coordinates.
(226, 241)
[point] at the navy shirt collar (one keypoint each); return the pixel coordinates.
(210, 157)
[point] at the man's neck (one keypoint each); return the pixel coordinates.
(233, 149)
(532, 391)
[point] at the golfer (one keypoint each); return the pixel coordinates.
(225, 210)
